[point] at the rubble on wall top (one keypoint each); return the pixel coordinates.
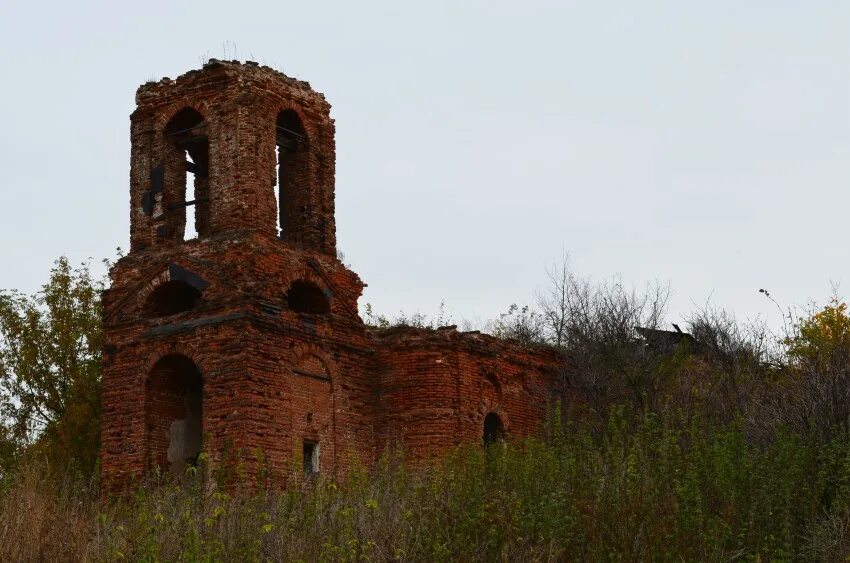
(252, 67)
(475, 338)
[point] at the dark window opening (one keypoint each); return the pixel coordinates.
(174, 414)
(172, 297)
(292, 166)
(306, 297)
(494, 430)
(311, 457)
(189, 161)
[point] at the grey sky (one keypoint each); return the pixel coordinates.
(702, 143)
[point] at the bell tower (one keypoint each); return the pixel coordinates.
(235, 131)
(231, 327)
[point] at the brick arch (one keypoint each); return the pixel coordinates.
(489, 406)
(163, 275)
(269, 114)
(179, 349)
(307, 123)
(295, 171)
(169, 158)
(304, 351)
(160, 278)
(304, 273)
(167, 114)
(173, 412)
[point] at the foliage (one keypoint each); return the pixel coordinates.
(646, 488)
(50, 369)
(823, 337)
(584, 316)
(521, 324)
(809, 391)
(9, 449)
(406, 320)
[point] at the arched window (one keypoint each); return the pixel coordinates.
(187, 173)
(494, 430)
(292, 174)
(307, 297)
(174, 414)
(171, 297)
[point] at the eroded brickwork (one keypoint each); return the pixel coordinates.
(436, 387)
(247, 339)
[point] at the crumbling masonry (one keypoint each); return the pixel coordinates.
(245, 338)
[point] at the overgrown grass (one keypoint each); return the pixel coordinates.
(638, 491)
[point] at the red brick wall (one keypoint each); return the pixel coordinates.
(436, 387)
(312, 413)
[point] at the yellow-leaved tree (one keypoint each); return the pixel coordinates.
(822, 341)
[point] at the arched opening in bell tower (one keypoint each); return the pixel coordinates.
(174, 414)
(187, 173)
(292, 153)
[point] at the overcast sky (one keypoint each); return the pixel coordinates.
(704, 144)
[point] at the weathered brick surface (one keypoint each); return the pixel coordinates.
(436, 387)
(273, 375)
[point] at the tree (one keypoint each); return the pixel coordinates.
(596, 324)
(822, 340)
(813, 394)
(564, 303)
(50, 368)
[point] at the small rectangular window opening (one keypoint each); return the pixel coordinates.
(311, 457)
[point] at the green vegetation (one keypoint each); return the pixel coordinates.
(50, 371)
(732, 446)
(642, 490)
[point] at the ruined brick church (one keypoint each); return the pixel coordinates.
(239, 332)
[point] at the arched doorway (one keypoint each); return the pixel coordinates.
(174, 414)
(494, 430)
